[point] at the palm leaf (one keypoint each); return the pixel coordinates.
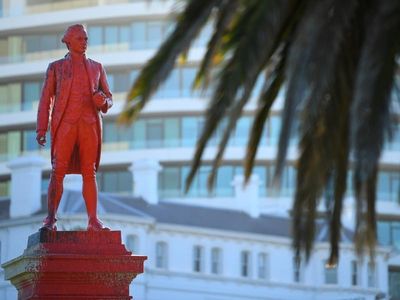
(226, 12)
(318, 105)
(339, 71)
(268, 95)
(231, 79)
(343, 94)
(270, 42)
(370, 112)
(251, 55)
(158, 68)
(305, 59)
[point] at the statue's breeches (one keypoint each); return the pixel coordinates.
(79, 136)
(82, 137)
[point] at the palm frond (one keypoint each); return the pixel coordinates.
(323, 30)
(226, 12)
(233, 37)
(250, 57)
(158, 68)
(345, 78)
(339, 63)
(370, 112)
(270, 90)
(341, 149)
(322, 21)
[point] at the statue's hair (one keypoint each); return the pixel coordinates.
(70, 31)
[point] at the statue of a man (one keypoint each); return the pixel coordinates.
(74, 94)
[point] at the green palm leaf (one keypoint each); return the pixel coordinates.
(159, 67)
(225, 15)
(370, 112)
(337, 62)
(268, 95)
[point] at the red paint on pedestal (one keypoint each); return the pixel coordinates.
(74, 265)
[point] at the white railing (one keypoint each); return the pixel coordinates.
(33, 7)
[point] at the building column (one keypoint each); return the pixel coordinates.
(145, 179)
(26, 181)
(247, 196)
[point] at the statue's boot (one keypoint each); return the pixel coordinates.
(90, 195)
(53, 200)
(49, 223)
(95, 224)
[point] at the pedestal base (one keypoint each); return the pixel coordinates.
(74, 265)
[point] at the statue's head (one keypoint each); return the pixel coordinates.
(75, 37)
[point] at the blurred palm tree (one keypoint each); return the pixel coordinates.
(336, 60)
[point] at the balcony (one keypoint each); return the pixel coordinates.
(32, 7)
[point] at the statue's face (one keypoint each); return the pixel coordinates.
(78, 42)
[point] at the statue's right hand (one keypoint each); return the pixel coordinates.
(41, 138)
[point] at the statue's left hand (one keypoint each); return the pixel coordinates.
(41, 138)
(99, 99)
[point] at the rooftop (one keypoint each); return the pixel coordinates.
(182, 214)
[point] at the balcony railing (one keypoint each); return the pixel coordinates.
(42, 6)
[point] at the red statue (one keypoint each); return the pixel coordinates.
(75, 92)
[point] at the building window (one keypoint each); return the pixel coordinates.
(10, 145)
(171, 132)
(216, 261)
(394, 283)
(198, 258)
(388, 186)
(330, 273)
(389, 233)
(173, 186)
(132, 243)
(147, 34)
(41, 43)
(354, 273)
(169, 185)
(262, 265)
(161, 255)
(190, 131)
(371, 275)
(29, 143)
(10, 97)
(223, 186)
(245, 258)
(155, 33)
(154, 133)
(115, 181)
(119, 81)
(30, 94)
(5, 187)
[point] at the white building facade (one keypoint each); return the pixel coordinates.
(143, 169)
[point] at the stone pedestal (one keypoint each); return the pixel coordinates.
(74, 265)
